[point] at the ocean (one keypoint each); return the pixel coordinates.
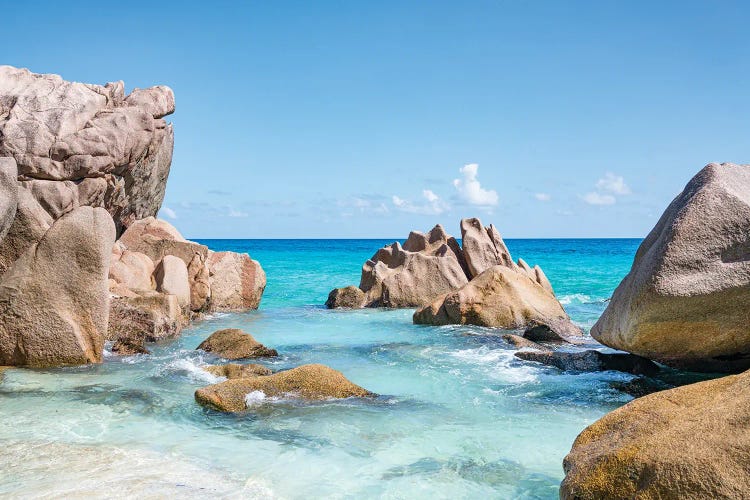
(458, 415)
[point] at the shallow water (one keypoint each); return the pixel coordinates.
(458, 415)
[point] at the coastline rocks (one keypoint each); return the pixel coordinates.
(235, 280)
(139, 316)
(234, 370)
(132, 269)
(130, 346)
(30, 224)
(686, 300)
(505, 298)
(54, 300)
(311, 382)
(592, 361)
(232, 343)
(523, 343)
(690, 442)
(172, 278)
(8, 194)
(427, 265)
(349, 297)
(483, 247)
(80, 144)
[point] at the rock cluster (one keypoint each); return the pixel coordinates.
(686, 300)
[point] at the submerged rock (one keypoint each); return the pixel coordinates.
(54, 300)
(639, 386)
(686, 299)
(312, 382)
(505, 298)
(592, 361)
(234, 370)
(349, 297)
(523, 343)
(690, 442)
(232, 343)
(92, 145)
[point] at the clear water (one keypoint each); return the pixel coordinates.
(458, 415)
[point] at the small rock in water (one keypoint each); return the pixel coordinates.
(313, 382)
(129, 346)
(521, 342)
(639, 387)
(233, 343)
(350, 297)
(234, 370)
(592, 361)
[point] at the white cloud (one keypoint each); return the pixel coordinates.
(471, 191)
(594, 198)
(434, 205)
(542, 196)
(168, 212)
(236, 213)
(613, 183)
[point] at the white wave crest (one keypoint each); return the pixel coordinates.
(193, 370)
(578, 298)
(500, 364)
(254, 398)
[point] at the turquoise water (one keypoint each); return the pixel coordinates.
(458, 415)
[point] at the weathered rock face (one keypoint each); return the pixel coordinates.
(313, 382)
(235, 280)
(523, 343)
(54, 300)
(28, 227)
(234, 370)
(691, 442)
(129, 346)
(592, 361)
(78, 144)
(349, 297)
(233, 343)
(483, 247)
(506, 298)
(132, 269)
(427, 265)
(8, 194)
(138, 316)
(686, 300)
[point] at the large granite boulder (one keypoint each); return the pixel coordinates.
(692, 442)
(172, 278)
(233, 343)
(8, 194)
(138, 316)
(427, 265)
(503, 297)
(686, 300)
(79, 144)
(132, 269)
(235, 280)
(54, 300)
(30, 224)
(592, 361)
(350, 297)
(312, 382)
(483, 247)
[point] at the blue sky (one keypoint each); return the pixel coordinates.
(358, 119)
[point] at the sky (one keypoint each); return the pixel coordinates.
(354, 119)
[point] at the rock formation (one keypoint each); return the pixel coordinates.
(427, 266)
(692, 442)
(686, 300)
(236, 281)
(592, 361)
(54, 301)
(232, 343)
(79, 144)
(312, 382)
(503, 297)
(8, 194)
(234, 370)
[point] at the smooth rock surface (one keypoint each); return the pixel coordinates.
(692, 442)
(505, 298)
(79, 144)
(54, 300)
(349, 297)
(132, 269)
(232, 343)
(592, 361)
(144, 315)
(312, 382)
(236, 281)
(686, 300)
(172, 278)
